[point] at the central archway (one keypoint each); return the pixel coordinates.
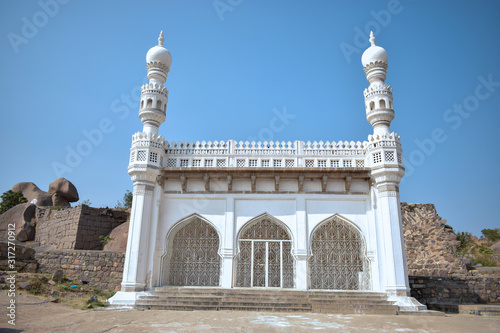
(192, 257)
(265, 255)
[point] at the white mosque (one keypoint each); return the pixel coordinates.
(283, 215)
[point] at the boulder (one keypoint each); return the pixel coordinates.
(62, 190)
(93, 299)
(12, 216)
(119, 235)
(24, 285)
(58, 275)
(31, 191)
(496, 247)
(23, 218)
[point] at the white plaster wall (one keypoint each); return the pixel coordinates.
(264, 185)
(335, 185)
(291, 185)
(195, 185)
(218, 184)
(242, 185)
(312, 185)
(359, 186)
(173, 185)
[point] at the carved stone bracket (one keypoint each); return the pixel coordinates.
(348, 184)
(184, 183)
(206, 179)
(253, 178)
(301, 183)
(229, 183)
(160, 180)
(324, 181)
(277, 183)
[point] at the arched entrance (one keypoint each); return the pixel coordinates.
(192, 255)
(265, 255)
(338, 258)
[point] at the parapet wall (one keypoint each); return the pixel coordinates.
(77, 227)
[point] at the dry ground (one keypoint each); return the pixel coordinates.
(35, 314)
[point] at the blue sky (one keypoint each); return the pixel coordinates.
(72, 68)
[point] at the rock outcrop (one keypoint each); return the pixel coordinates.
(23, 216)
(431, 245)
(61, 192)
(32, 192)
(119, 237)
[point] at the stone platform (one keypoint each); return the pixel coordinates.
(251, 299)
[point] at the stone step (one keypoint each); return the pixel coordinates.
(379, 310)
(260, 298)
(182, 298)
(175, 307)
(169, 302)
(254, 299)
(266, 308)
(326, 302)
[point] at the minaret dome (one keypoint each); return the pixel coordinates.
(374, 53)
(159, 53)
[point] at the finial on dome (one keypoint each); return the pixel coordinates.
(372, 38)
(160, 39)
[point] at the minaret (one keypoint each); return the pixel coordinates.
(378, 96)
(146, 159)
(154, 96)
(385, 158)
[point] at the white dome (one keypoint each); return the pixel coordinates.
(373, 53)
(159, 54)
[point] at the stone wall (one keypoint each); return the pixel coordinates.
(100, 269)
(76, 227)
(95, 222)
(431, 245)
(446, 292)
(57, 228)
(24, 258)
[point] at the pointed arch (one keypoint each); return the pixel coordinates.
(192, 255)
(264, 257)
(263, 217)
(338, 256)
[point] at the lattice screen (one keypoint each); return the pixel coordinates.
(265, 256)
(194, 259)
(338, 258)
